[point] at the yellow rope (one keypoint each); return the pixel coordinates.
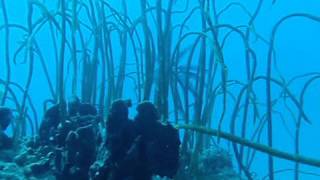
(253, 145)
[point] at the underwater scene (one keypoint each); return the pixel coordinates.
(159, 90)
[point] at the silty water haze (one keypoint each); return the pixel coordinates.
(247, 68)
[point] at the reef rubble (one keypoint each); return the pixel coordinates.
(74, 149)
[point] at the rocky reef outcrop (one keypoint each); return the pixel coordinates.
(72, 148)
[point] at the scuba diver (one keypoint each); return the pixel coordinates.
(6, 117)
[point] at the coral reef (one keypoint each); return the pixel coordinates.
(73, 149)
(197, 66)
(213, 163)
(216, 163)
(25, 162)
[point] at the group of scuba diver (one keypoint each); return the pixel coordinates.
(119, 149)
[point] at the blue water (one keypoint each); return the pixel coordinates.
(296, 52)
